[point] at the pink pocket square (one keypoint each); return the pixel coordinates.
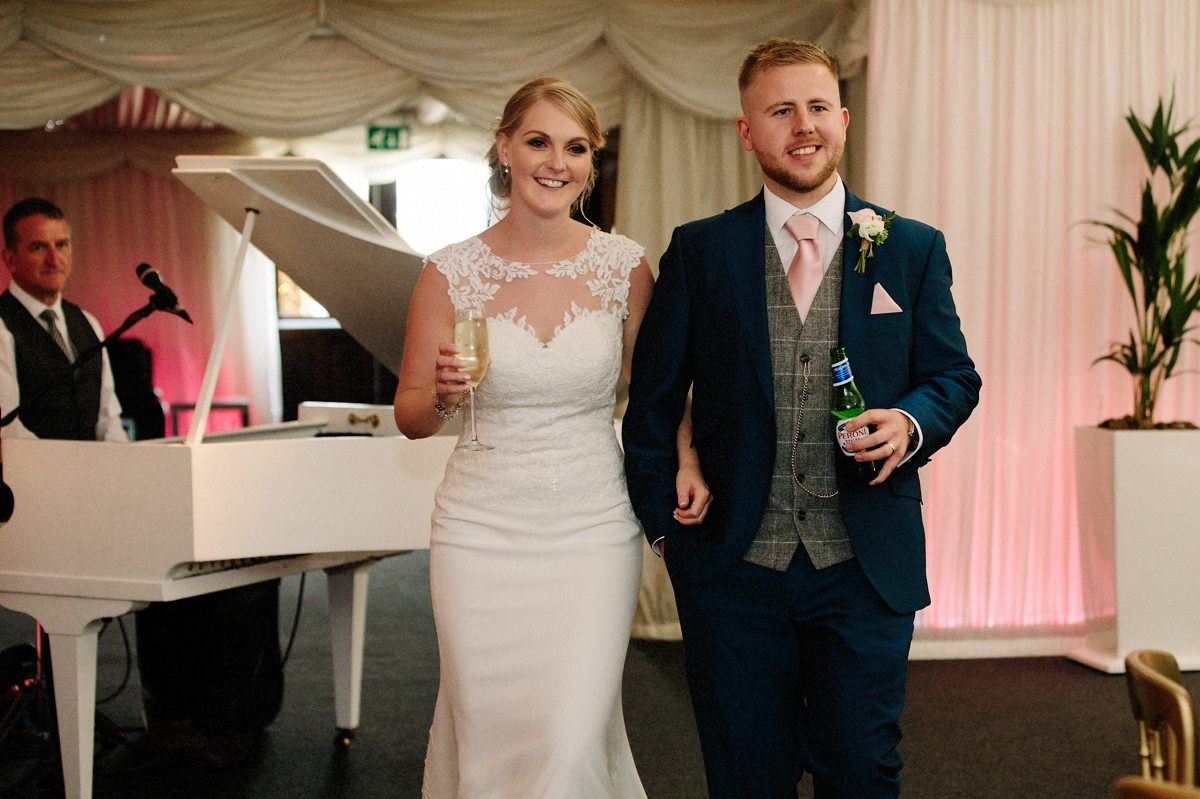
(882, 302)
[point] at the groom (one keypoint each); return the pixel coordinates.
(796, 595)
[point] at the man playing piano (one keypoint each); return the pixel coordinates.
(41, 334)
(210, 665)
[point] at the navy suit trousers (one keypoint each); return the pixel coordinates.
(795, 671)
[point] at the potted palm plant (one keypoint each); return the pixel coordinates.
(1138, 506)
(1151, 255)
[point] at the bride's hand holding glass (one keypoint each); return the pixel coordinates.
(451, 383)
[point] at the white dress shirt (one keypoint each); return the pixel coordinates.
(830, 210)
(108, 423)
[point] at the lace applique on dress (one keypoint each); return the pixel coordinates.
(482, 280)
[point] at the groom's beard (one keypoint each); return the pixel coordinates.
(802, 184)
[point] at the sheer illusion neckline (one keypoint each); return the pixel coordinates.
(587, 245)
(521, 324)
(545, 299)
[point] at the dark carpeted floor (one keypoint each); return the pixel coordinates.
(981, 729)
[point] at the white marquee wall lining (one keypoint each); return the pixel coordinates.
(1012, 134)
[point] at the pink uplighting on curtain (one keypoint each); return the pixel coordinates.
(1003, 125)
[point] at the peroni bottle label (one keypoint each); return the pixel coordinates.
(844, 438)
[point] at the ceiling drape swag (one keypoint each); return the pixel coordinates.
(168, 43)
(468, 44)
(279, 68)
(689, 52)
(52, 87)
(321, 85)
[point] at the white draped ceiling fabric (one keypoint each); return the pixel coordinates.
(999, 122)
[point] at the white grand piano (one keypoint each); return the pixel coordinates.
(157, 522)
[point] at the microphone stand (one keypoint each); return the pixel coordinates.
(156, 303)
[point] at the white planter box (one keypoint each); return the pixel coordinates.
(1139, 533)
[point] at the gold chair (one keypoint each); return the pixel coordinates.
(1140, 788)
(1163, 710)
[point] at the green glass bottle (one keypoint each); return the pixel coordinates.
(846, 403)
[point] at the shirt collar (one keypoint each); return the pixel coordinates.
(32, 303)
(830, 209)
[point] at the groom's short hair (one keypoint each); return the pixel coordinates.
(780, 52)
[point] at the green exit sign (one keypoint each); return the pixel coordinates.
(389, 137)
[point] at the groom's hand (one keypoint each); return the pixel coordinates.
(888, 441)
(692, 494)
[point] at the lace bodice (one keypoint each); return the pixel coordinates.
(546, 402)
(555, 329)
(541, 297)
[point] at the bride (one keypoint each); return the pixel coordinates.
(535, 554)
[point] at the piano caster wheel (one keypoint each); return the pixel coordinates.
(343, 738)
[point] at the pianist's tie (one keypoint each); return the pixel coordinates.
(51, 319)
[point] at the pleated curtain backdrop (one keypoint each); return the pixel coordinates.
(1003, 125)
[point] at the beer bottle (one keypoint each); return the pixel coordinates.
(848, 402)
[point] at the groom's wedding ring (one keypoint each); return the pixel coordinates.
(893, 446)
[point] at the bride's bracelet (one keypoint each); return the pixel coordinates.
(452, 412)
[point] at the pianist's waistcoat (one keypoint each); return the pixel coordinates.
(793, 515)
(53, 406)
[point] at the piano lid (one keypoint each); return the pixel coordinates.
(334, 244)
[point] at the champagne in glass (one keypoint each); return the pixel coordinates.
(470, 336)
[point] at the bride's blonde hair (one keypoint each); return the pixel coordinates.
(570, 101)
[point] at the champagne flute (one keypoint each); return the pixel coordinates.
(470, 336)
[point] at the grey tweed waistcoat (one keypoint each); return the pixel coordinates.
(794, 515)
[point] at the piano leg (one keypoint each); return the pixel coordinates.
(73, 624)
(347, 627)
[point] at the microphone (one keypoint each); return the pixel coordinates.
(164, 299)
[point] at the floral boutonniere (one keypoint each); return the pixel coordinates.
(872, 229)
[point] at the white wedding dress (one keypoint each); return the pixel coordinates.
(535, 556)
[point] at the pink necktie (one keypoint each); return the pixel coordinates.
(806, 270)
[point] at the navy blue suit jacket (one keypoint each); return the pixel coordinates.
(706, 327)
